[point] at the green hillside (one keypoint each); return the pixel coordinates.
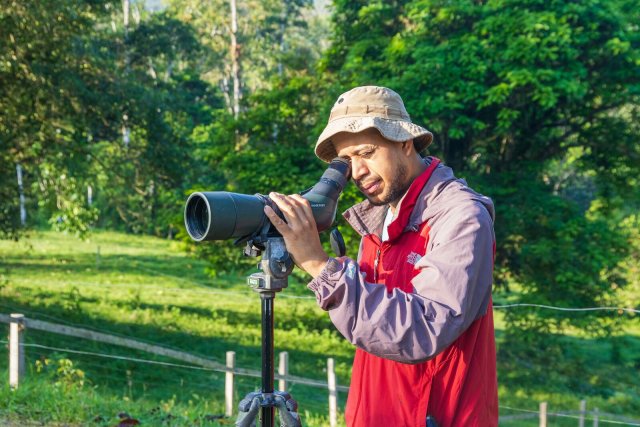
(147, 289)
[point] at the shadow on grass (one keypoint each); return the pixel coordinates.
(604, 369)
(288, 314)
(304, 363)
(176, 268)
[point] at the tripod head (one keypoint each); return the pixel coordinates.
(276, 265)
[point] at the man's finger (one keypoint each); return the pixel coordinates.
(305, 206)
(297, 206)
(282, 227)
(293, 212)
(282, 201)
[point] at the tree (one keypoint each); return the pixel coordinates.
(266, 143)
(143, 182)
(519, 93)
(71, 82)
(245, 41)
(48, 101)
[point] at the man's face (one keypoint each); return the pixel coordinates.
(378, 166)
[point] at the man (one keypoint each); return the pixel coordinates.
(417, 303)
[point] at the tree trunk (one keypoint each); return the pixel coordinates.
(283, 27)
(235, 59)
(125, 22)
(23, 210)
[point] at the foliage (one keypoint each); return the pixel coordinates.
(143, 177)
(266, 149)
(61, 372)
(510, 88)
(122, 111)
(271, 35)
(630, 266)
(45, 82)
(86, 107)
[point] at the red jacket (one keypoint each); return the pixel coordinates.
(418, 308)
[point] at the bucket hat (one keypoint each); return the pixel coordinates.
(368, 107)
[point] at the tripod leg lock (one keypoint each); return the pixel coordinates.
(287, 409)
(251, 404)
(248, 409)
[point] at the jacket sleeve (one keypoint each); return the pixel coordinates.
(452, 289)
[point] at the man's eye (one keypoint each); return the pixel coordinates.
(367, 154)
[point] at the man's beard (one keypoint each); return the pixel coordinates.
(397, 187)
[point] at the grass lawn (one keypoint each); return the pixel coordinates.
(147, 289)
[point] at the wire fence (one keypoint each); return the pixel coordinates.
(213, 384)
(242, 380)
(582, 416)
(97, 372)
(246, 296)
(172, 380)
(550, 307)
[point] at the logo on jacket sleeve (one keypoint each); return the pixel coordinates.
(413, 258)
(351, 271)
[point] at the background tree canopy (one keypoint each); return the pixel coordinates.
(535, 103)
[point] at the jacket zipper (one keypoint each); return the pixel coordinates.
(375, 266)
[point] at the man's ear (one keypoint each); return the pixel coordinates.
(408, 147)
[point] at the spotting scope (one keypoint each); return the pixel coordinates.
(221, 215)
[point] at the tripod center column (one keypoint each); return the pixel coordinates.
(268, 300)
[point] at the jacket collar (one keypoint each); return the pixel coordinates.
(367, 218)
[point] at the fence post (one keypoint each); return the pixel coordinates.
(543, 414)
(283, 370)
(333, 392)
(16, 350)
(228, 383)
(583, 411)
(596, 412)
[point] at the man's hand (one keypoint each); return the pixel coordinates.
(300, 232)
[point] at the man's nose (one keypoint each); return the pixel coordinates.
(358, 169)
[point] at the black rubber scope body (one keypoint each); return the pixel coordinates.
(221, 215)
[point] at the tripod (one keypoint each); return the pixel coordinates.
(276, 265)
